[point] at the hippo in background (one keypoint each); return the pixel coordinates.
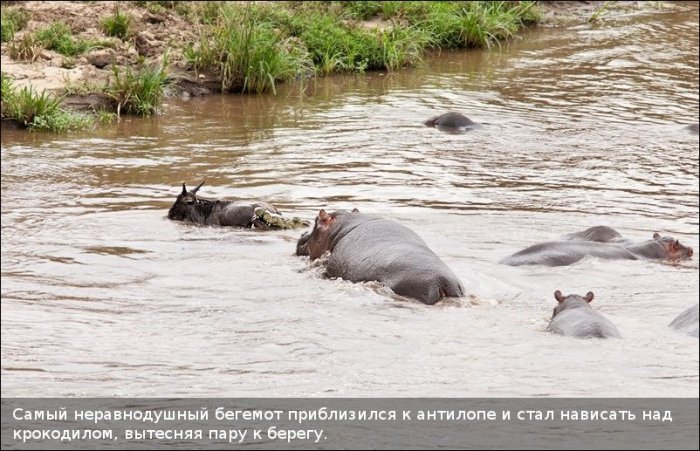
(189, 207)
(369, 248)
(687, 321)
(451, 123)
(692, 128)
(574, 317)
(600, 234)
(599, 242)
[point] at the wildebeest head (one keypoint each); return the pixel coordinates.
(185, 206)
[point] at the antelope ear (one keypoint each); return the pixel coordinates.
(184, 189)
(194, 191)
(589, 296)
(656, 236)
(558, 296)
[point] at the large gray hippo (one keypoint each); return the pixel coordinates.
(451, 123)
(369, 248)
(574, 317)
(189, 207)
(687, 321)
(600, 242)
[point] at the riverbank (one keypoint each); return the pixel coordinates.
(119, 57)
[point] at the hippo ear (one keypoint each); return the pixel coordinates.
(558, 296)
(194, 191)
(184, 189)
(355, 210)
(589, 296)
(676, 245)
(323, 216)
(656, 236)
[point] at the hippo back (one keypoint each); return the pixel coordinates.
(583, 323)
(601, 234)
(366, 248)
(687, 321)
(562, 253)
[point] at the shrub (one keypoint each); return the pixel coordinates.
(140, 91)
(118, 24)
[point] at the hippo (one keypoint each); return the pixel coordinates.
(189, 207)
(574, 317)
(600, 234)
(369, 248)
(451, 123)
(687, 321)
(563, 253)
(692, 128)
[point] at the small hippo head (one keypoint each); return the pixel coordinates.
(319, 240)
(184, 205)
(673, 249)
(571, 301)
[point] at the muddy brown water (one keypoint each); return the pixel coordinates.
(103, 296)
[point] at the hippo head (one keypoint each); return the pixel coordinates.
(319, 240)
(571, 301)
(184, 205)
(673, 249)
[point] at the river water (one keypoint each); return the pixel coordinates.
(583, 125)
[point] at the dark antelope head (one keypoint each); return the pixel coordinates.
(184, 207)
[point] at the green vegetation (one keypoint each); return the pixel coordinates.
(248, 54)
(118, 24)
(13, 20)
(140, 91)
(39, 111)
(58, 37)
(252, 46)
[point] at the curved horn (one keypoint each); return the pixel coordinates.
(184, 189)
(194, 191)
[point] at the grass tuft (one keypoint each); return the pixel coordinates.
(138, 92)
(58, 37)
(118, 24)
(39, 111)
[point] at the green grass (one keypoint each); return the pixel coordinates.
(247, 53)
(58, 37)
(39, 111)
(138, 91)
(118, 24)
(13, 20)
(243, 44)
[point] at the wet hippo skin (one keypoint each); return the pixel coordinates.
(574, 317)
(369, 248)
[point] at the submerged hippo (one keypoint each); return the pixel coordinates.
(563, 253)
(601, 234)
(369, 248)
(687, 321)
(574, 317)
(259, 215)
(692, 128)
(451, 122)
